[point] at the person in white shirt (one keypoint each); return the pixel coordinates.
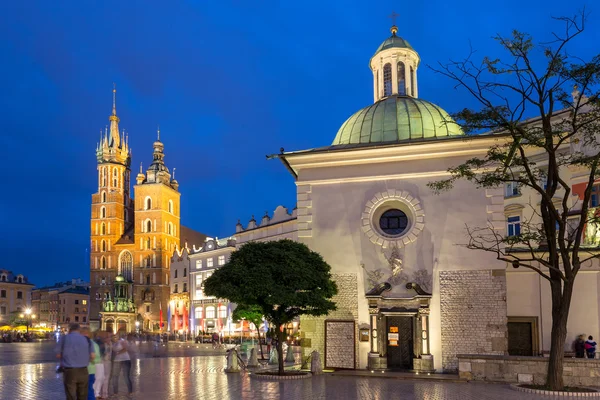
(120, 361)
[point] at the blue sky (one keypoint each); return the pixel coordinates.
(228, 82)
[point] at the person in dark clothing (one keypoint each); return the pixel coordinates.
(580, 347)
(590, 347)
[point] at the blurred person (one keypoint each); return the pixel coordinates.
(94, 361)
(107, 363)
(120, 362)
(75, 353)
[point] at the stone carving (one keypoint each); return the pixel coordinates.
(373, 277)
(397, 274)
(423, 278)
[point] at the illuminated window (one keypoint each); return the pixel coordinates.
(84, 302)
(199, 264)
(387, 79)
(210, 312)
(221, 260)
(209, 262)
(198, 286)
(222, 312)
(198, 312)
(401, 78)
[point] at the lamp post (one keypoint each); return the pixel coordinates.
(137, 326)
(28, 313)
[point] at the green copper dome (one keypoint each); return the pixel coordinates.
(393, 42)
(397, 118)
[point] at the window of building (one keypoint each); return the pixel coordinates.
(175, 290)
(76, 318)
(210, 312)
(221, 260)
(3, 293)
(171, 206)
(147, 279)
(76, 301)
(595, 198)
(84, 302)
(393, 222)
(19, 295)
(147, 308)
(76, 309)
(20, 279)
(401, 78)
(104, 197)
(175, 272)
(412, 81)
(198, 264)
(148, 203)
(198, 286)
(184, 272)
(103, 212)
(148, 244)
(511, 189)
(84, 319)
(2, 310)
(103, 229)
(184, 287)
(222, 312)
(387, 79)
(170, 229)
(513, 227)
(209, 262)
(198, 312)
(148, 226)
(3, 278)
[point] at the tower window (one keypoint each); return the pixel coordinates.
(147, 279)
(412, 81)
(148, 244)
(171, 206)
(170, 229)
(103, 263)
(148, 203)
(103, 245)
(103, 229)
(103, 212)
(387, 79)
(401, 79)
(148, 226)
(104, 197)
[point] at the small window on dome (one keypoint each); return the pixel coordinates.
(393, 222)
(401, 79)
(412, 82)
(387, 79)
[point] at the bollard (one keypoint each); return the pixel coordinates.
(274, 357)
(253, 359)
(289, 356)
(315, 363)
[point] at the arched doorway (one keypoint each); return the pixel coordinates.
(122, 326)
(109, 325)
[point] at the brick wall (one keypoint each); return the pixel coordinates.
(473, 314)
(313, 328)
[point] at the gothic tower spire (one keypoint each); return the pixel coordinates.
(115, 140)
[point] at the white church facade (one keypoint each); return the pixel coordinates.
(410, 295)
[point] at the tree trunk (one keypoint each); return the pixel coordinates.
(262, 356)
(560, 316)
(280, 338)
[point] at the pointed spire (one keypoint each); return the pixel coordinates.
(174, 173)
(141, 168)
(158, 133)
(114, 140)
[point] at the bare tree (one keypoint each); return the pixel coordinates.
(561, 136)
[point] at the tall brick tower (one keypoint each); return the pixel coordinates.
(112, 214)
(157, 233)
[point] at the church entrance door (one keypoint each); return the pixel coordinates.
(522, 336)
(399, 331)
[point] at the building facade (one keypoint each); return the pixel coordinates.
(15, 294)
(45, 301)
(73, 306)
(132, 237)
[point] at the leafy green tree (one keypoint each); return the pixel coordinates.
(539, 153)
(251, 314)
(284, 279)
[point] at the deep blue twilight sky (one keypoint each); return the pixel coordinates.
(227, 81)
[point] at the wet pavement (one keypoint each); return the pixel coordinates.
(203, 377)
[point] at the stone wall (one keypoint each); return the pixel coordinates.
(513, 369)
(473, 314)
(313, 328)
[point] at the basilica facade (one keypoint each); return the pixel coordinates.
(133, 235)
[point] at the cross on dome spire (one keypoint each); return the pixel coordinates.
(394, 28)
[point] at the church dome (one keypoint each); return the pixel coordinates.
(393, 42)
(397, 118)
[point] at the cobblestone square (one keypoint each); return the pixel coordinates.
(202, 377)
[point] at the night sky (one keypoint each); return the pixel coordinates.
(227, 81)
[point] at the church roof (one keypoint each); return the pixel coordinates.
(397, 118)
(393, 42)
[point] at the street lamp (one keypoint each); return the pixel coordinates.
(137, 326)
(28, 313)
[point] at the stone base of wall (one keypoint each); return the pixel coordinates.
(473, 314)
(531, 370)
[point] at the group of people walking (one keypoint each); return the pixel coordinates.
(92, 365)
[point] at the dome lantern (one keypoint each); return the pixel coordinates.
(394, 67)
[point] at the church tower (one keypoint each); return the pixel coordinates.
(157, 233)
(112, 211)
